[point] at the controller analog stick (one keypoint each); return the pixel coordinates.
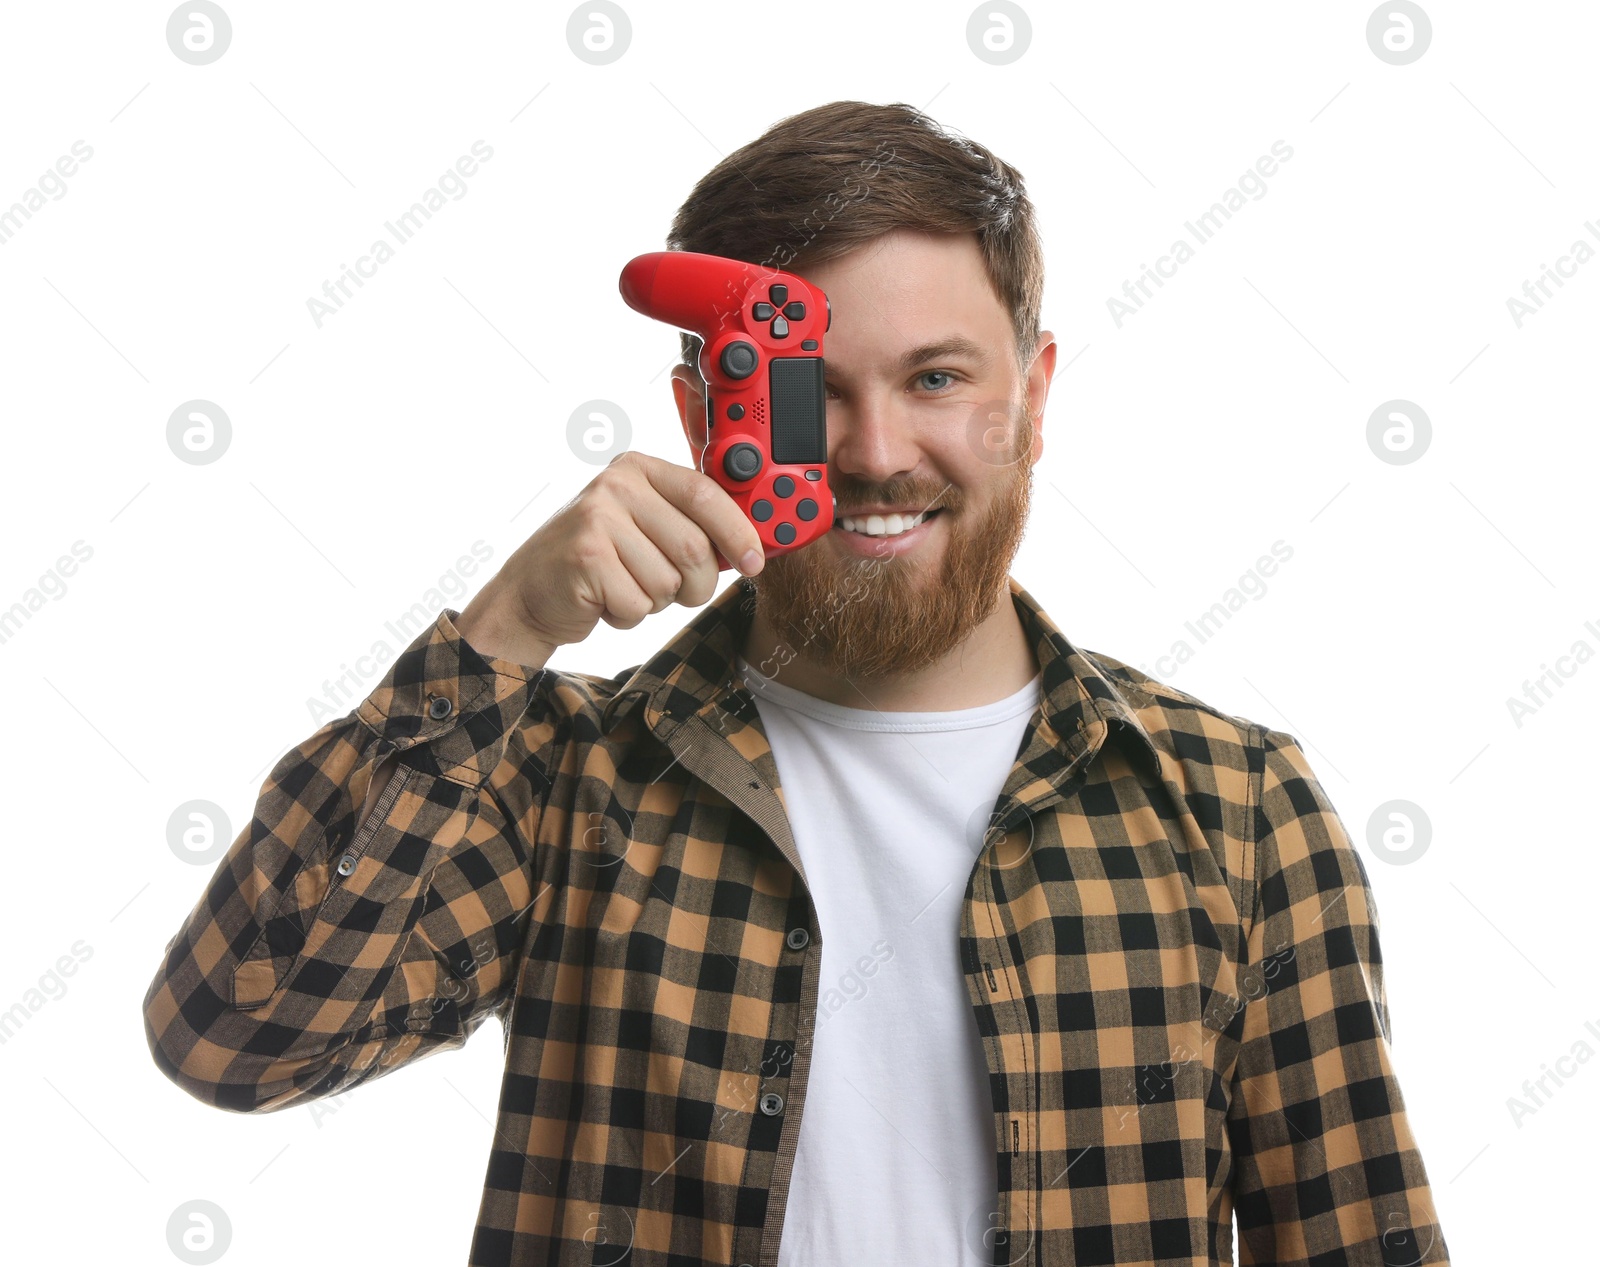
(742, 462)
(738, 360)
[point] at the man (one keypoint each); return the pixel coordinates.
(870, 920)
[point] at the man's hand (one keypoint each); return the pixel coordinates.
(641, 536)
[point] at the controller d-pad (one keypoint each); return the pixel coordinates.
(763, 312)
(795, 311)
(778, 294)
(780, 328)
(783, 486)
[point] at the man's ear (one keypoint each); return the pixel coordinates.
(1040, 373)
(690, 394)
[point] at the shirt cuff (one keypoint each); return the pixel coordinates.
(449, 708)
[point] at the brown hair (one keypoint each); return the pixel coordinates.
(818, 184)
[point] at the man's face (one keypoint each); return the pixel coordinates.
(915, 423)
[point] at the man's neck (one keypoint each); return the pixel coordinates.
(995, 661)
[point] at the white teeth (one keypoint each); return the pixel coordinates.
(882, 525)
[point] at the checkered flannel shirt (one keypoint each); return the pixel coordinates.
(1170, 945)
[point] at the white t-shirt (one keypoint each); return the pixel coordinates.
(896, 1158)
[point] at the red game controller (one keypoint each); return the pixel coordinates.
(761, 359)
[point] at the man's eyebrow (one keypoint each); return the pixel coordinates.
(955, 345)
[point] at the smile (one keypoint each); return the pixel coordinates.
(880, 534)
(884, 525)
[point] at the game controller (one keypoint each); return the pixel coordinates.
(761, 359)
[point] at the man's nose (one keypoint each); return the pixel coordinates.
(873, 436)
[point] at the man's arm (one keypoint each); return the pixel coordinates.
(373, 910)
(1324, 1158)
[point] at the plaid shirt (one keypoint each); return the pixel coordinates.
(1170, 945)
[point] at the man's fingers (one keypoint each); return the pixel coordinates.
(707, 503)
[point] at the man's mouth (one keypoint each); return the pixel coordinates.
(891, 525)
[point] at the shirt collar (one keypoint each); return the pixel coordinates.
(696, 672)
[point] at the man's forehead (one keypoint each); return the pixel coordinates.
(922, 268)
(896, 245)
(908, 298)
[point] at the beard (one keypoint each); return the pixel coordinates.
(889, 615)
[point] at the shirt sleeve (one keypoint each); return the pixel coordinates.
(319, 956)
(1324, 1158)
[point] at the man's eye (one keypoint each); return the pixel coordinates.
(949, 378)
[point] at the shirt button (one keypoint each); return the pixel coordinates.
(772, 1104)
(797, 938)
(347, 864)
(440, 708)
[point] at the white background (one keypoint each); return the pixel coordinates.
(429, 413)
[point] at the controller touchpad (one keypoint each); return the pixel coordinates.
(799, 410)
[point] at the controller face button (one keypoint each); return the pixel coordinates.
(807, 509)
(739, 360)
(763, 312)
(736, 412)
(780, 328)
(795, 311)
(783, 486)
(813, 475)
(742, 461)
(784, 533)
(762, 511)
(778, 294)
(809, 345)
